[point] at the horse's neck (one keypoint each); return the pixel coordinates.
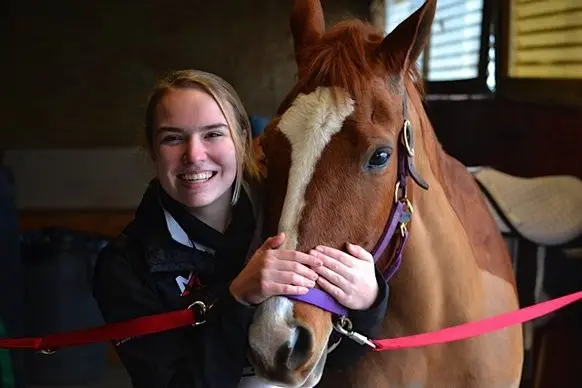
(438, 273)
(453, 241)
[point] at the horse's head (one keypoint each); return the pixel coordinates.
(332, 166)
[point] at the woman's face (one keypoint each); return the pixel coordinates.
(194, 156)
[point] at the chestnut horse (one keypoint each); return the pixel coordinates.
(339, 152)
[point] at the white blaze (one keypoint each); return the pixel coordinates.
(308, 124)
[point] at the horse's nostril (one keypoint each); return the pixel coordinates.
(299, 348)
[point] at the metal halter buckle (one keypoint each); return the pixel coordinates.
(200, 311)
(403, 229)
(400, 193)
(406, 134)
(344, 326)
(47, 352)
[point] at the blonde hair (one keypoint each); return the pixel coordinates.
(229, 103)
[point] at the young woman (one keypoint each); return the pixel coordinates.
(196, 236)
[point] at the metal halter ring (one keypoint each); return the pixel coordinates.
(343, 325)
(47, 352)
(397, 193)
(405, 130)
(200, 311)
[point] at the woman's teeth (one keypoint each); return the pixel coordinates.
(196, 178)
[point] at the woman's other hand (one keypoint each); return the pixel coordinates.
(272, 271)
(349, 277)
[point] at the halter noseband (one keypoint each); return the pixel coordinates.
(400, 216)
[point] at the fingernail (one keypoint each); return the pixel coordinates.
(303, 290)
(311, 283)
(318, 248)
(313, 252)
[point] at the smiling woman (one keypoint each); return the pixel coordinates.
(194, 153)
(187, 88)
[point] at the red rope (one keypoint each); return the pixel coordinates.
(115, 331)
(175, 319)
(477, 328)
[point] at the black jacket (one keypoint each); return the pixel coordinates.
(145, 271)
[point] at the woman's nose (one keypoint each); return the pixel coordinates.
(194, 151)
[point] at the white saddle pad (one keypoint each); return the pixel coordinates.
(546, 210)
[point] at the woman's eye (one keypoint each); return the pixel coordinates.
(213, 134)
(171, 139)
(379, 158)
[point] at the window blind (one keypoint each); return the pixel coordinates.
(545, 39)
(455, 43)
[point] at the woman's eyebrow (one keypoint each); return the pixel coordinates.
(170, 129)
(208, 127)
(214, 126)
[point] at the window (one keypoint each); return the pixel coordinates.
(545, 39)
(458, 58)
(544, 50)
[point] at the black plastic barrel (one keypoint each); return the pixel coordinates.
(58, 268)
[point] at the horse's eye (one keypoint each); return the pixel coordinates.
(379, 158)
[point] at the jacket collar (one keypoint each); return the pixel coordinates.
(168, 247)
(178, 234)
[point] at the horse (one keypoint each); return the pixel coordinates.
(350, 143)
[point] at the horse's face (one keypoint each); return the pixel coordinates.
(325, 159)
(331, 170)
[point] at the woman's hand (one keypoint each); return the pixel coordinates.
(273, 271)
(351, 280)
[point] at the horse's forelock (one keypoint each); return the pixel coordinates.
(347, 57)
(343, 57)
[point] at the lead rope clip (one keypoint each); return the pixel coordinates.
(344, 326)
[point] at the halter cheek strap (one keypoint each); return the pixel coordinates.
(400, 216)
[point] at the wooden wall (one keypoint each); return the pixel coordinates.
(520, 138)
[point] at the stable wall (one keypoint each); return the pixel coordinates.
(77, 73)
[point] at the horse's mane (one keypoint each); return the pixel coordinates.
(345, 57)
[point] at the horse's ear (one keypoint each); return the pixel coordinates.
(307, 24)
(403, 45)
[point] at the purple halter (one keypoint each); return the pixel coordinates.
(400, 215)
